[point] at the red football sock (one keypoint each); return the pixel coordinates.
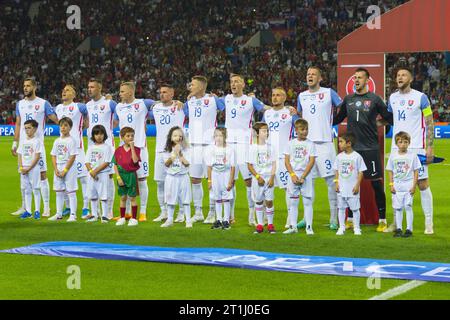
(122, 212)
(134, 211)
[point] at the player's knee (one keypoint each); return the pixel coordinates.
(44, 175)
(269, 204)
(423, 184)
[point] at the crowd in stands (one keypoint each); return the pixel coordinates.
(170, 41)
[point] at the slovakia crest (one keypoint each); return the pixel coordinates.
(206, 102)
(351, 88)
(284, 116)
(136, 106)
(410, 102)
(102, 107)
(243, 102)
(36, 107)
(321, 95)
(71, 108)
(172, 110)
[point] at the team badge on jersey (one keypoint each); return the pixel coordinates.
(351, 88)
(243, 102)
(284, 116)
(71, 108)
(36, 107)
(136, 106)
(206, 102)
(321, 95)
(172, 110)
(102, 107)
(410, 102)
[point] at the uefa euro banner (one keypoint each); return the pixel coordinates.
(374, 63)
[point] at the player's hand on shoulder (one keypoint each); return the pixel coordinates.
(293, 111)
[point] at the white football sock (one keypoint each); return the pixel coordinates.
(293, 212)
(226, 209)
(308, 207)
(170, 212)
(111, 194)
(399, 218)
(332, 199)
(197, 196)
(342, 218)
(60, 202)
(260, 214)
(270, 214)
(181, 207)
(212, 203)
(356, 219)
(105, 208)
(73, 203)
(37, 199)
(426, 198)
(251, 203)
(187, 212)
(219, 210)
(84, 190)
(28, 199)
(22, 193)
(232, 203)
(45, 191)
(143, 195)
(160, 195)
(94, 207)
(409, 218)
(288, 205)
(66, 201)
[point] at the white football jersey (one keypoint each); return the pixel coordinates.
(28, 148)
(101, 112)
(75, 111)
(220, 159)
(262, 158)
(348, 167)
(166, 117)
(408, 117)
(36, 109)
(202, 113)
(403, 167)
(63, 148)
(317, 109)
(97, 154)
(134, 115)
(281, 127)
(299, 153)
(239, 117)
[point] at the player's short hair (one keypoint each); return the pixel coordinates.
(97, 130)
(406, 68)
(301, 123)
(223, 130)
(363, 70)
(316, 68)
(96, 80)
(129, 84)
(167, 85)
(281, 89)
(234, 75)
(402, 135)
(201, 79)
(67, 121)
(72, 87)
(33, 82)
(125, 130)
(33, 123)
(258, 126)
(349, 137)
(169, 144)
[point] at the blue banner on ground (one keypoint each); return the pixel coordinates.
(392, 269)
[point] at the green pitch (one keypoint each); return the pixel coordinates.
(38, 277)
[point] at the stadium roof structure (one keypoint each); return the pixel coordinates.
(415, 26)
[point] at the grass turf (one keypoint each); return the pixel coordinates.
(31, 277)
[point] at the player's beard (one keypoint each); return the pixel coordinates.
(402, 86)
(29, 94)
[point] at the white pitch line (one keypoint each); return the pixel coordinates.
(399, 290)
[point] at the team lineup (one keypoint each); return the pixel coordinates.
(288, 148)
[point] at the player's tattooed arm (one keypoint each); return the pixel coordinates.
(430, 138)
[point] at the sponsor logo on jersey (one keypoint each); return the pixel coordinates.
(351, 88)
